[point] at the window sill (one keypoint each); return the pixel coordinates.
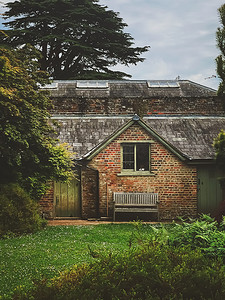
(136, 173)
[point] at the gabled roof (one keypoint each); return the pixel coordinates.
(136, 119)
(189, 136)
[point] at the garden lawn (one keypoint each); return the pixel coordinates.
(44, 254)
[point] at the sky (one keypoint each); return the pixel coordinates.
(181, 34)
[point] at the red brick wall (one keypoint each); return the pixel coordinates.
(47, 203)
(140, 106)
(175, 181)
(89, 192)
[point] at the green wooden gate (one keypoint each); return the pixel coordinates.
(67, 199)
(209, 190)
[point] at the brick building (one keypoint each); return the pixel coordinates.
(137, 136)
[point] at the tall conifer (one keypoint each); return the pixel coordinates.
(220, 60)
(78, 39)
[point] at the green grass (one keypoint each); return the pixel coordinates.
(28, 258)
(44, 254)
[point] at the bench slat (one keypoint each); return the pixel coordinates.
(135, 198)
(135, 202)
(135, 209)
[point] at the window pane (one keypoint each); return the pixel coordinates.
(128, 157)
(128, 165)
(128, 149)
(142, 157)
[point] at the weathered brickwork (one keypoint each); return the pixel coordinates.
(129, 97)
(47, 203)
(89, 192)
(140, 106)
(175, 181)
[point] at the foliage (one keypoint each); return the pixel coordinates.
(77, 39)
(220, 60)
(153, 272)
(18, 212)
(203, 234)
(29, 154)
(219, 145)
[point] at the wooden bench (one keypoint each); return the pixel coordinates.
(135, 202)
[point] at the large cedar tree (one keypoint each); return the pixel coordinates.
(78, 39)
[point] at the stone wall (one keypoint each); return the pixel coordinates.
(172, 179)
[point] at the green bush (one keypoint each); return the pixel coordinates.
(204, 234)
(148, 272)
(18, 212)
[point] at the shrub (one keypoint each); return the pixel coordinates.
(204, 234)
(18, 212)
(151, 272)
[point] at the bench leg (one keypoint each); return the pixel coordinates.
(114, 213)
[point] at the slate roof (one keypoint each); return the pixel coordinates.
(128, 89)
(193, 136)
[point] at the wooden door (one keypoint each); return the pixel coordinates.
(67, 199)
(209, 189)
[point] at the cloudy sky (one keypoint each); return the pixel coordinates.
(181, 33)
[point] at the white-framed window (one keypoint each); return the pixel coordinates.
(92, 84)
(163, 83)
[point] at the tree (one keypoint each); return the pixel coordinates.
(220, 60)
(219, 142)
(29, 154)
(78, 39)
(219, 145)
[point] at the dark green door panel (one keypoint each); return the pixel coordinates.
(67, 199)
(209, 190)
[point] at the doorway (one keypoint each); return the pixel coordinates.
(67, 199)
(209, 189)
